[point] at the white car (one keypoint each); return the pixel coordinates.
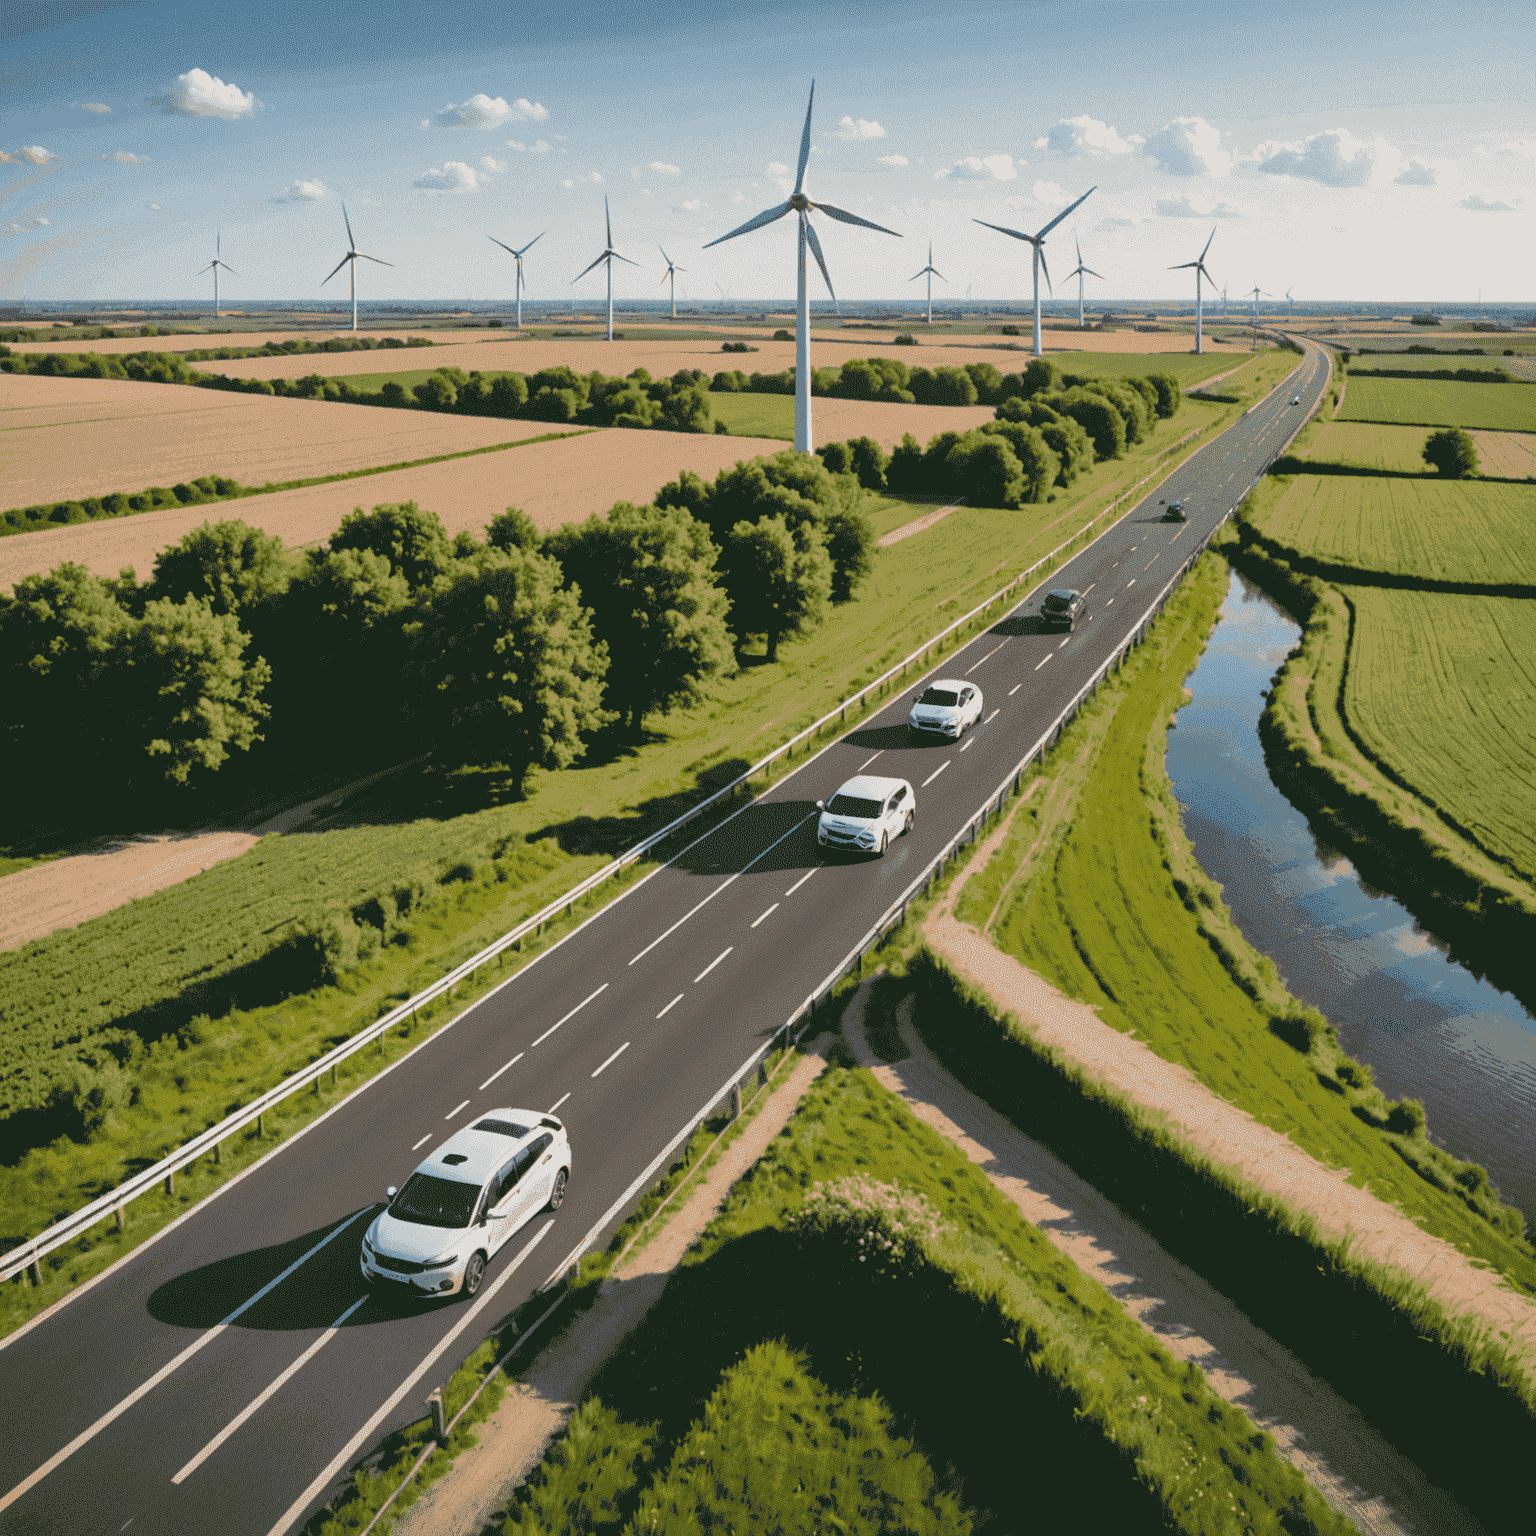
(945, 708)
(1296, 400)
(465, 1201)
(866, 813)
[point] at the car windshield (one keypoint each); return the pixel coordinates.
(853, 805)
(938, 696)
(1060, 599)
(436, 1202)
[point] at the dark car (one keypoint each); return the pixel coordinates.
(1175, 513)
(1061, 608)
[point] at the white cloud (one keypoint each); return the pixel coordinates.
(1123, 221)
(156, 208)
(738, 197)
(124, 158)
(199, 94)
(94, 106)
(538, 147)
(1194, 207)
(582, 176)
(304, 192)
(858, 128)
(491, 166)
(895, 162)
(1477, 203)
(567, 183)
(1050, 193)
(1334, 157)
(663, 169)
(1427, 173)
(693, 205)
(1189, 146)
(13, 229)
(1525, 149)
(33, 154)
(450, 176)
(42, 221)
(979, 168)
(1086, 136)
(482, 111)
(777, 168)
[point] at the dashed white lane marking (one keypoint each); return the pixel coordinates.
(993, 652)
(293, 1370)
(571, 1015)
(769, 913)
(865, 764)
(1180, 532)
(969, 744)
(670, 1006)
(684, 918)
(1065, 643)
(1040, 664)
(497, 1073)
(1089, 588)
(1157, 556)
(990, 718)
(713, 963)
(936, 772)
(1131, 582)
(553, 1107)
(1015, 689)
(801, 881)
(452, 1112)
(613, 1058)
(424, 1140)
(1110, 603)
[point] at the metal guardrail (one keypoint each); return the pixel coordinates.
(27, 1256)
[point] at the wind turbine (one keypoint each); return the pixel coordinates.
(517, 256)
(1079, 272)
(1037, 241)
(607, 259)
(672, 270)
(1290, 313)
(1199, 265)
(214, 267)
(350, 261)
(800, 204)
(931, 272)
(1256, 295)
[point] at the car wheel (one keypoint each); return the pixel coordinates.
(885, 842)
(911, 817)
(474, 1273)
(557, 1194)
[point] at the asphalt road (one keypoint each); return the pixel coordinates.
(229, 1375)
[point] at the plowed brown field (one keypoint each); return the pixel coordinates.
(553, 482)
(1510, 455)
(111, 346)
(61, 439)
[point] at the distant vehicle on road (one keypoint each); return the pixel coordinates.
(866, 813)
(466, 1201)
(1061, 608)
(1295, 399)
(945, 708)
(1175, 513)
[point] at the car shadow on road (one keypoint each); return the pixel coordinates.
(786, 828)
(1021, 624)
(890, 738)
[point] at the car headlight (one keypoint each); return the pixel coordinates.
(447, 1261)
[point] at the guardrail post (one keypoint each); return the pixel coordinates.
(119, 1218)
(735, 1101)
(762, 1073)
(35, 1272)
(170, 1182)
(218, 1153)
(439, 1423)
(259, 1121)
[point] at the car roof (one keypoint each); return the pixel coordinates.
(869, 786)
(956, 683)
(472, 1155)
(1064, 592)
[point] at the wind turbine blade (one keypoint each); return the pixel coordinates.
(1045, 269)
(911, 279)
(766, 217)
(939, 275)
(1182, 265)
(664, 256)
(1002, 230)
(1208, 243)
(600, 260)
(530, 244)
(844, 217)
(226, 266)
(218, 244)
(376, 259)
(1065, 211)
(1079, 245)
(805, 142)
(337, 268)
(507, 248)
(821, 261)
(608, 220)
(209, 268)
(351, 243)
(617, 257)
(1091, 273)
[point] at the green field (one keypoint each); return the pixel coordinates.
(1441, 530)
(1429, 361)
(1443, 691)
(1366, 444)
(1438, 403)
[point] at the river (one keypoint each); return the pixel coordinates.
(1429, 1028)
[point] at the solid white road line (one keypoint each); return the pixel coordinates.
(1040, 664)
(993, 652)
(556, 1105)
(713, 963)
(993, 716)
(497, 1073)
(85, 1436)
(1015, 688)
(613, 1058)
(452, 1112)
(801, 881)
(571, 1015)
(670, 1006)
(345, 1455)
(424, 1140)
(864, 765)
(936, 772)
(240, 1418)
(769, 913)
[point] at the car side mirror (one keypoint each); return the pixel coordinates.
(390, 1193)
(821, 805)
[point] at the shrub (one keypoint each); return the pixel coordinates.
(1406, 1117)
(782, 335)
(1452, 453)
(905, 339)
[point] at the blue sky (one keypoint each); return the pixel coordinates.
(1345, 150)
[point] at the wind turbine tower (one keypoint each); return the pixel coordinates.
(1038, 242)
(1256, 295)
(1200, 273)
(607, 259)
(798, 203)
(1079, 272)
(517, 256)
(215, 266)
(672, 270)
(350, 261)
(931, 272)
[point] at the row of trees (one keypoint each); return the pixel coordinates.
(140, 365)
(513, 649)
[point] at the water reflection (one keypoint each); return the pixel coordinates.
(1429, 1028)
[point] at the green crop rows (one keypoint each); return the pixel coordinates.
(1443, 691)
(1496, 407)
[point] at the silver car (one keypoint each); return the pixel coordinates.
(945, 707)
(866, 813)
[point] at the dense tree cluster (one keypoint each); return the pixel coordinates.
(1452, 453)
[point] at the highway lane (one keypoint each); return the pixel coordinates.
(628, 1025)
